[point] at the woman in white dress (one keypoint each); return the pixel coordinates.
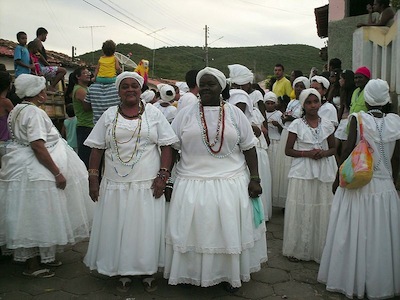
(311, 177)
(361, 257)
(282, 161)
(129, 221)
(44, 195)
(211, 234)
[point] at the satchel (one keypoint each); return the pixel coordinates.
(357, 170)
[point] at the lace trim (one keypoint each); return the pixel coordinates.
(168, 142)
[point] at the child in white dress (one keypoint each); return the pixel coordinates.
(362, 253)
(310, 181)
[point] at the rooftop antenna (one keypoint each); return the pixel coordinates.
(91, 32)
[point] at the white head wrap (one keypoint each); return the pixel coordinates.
(307, 92)
(321, 79)
(183, 87)
(240, 74)
(240, 96)
(270, 96)
(302, 79)
(148, 96)
(214, 72)
(124, 75)
(27, 85)
(167, 92)
(376, 92)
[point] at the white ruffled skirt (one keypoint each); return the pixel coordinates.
(306, 218)
(128, 230)
(272, 155)
(211, 237)
(362, 252)
(264, 171)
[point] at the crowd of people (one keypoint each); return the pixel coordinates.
(183, 178)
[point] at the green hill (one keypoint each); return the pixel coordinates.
(174, 62)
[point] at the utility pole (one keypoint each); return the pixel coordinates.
(206, 45)
(91, 32)
(154, 49)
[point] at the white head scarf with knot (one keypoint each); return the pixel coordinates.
(240, 96)
(148, 96)
(125, 75)
(376, 92)
(240, 75)
(214, 72)
(302, 79)
(27, 85)
(307, 92)
(270, 96)
(167, 92)
(322, 80)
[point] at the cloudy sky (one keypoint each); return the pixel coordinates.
(86, 24)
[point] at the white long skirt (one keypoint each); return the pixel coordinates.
(128, 230)
(306, 218)
(211, 237)
(272, 155)
(37, 218)
(282, 167)
(264, 171)
(362, 251)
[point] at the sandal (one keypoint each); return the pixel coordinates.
(54, 263)
(149, 284)
(293, 259)
(124, 283)
(42, 273)
(229, 288)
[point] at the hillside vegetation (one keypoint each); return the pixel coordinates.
(174, 62)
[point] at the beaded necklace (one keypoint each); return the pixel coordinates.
(314, 131)
(134, 116)
(138, 152)
(381, 145)
(221, 121)
(204, 139)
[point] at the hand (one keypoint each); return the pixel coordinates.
(254, 189)
(168, 193)
(158, 187)
(94, 188)
(61, 182)
(319, 154)
(275, 123)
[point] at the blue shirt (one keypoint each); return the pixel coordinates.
(21, 53)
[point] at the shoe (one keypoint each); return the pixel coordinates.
(149, 284)
(42, 273)
(54, 263)
(124, 283)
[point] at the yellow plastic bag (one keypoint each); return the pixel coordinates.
(357, 170)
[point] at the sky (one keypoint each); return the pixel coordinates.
(86, 24)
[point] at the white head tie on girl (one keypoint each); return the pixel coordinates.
(376, 92)
(167, 92)
(322, 80)
(148, 96)
(214, 72)
(307, 92)
(270, 96)
(240, 75)
(302, 79)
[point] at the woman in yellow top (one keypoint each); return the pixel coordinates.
(108, 65)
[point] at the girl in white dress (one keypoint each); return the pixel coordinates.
(282, 161)
(129, 222)
(211, 235)
(311, 177)
(167, 94)
(362, 253)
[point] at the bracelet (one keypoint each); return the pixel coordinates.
(255, 178)
(163, 177)
(166, 170)
(57, 175)
(93, 172)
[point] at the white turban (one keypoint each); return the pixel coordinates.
(148, 96)
(302, 79)
(240, 74)
(183, 87)
(27, 85)
(240, 96)
(307, 92)
(214, 72)
(321, 79)
(167, 92)
(270, 96)
(124, 75)
(376, 92)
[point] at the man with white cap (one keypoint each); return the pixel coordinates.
(327, 110)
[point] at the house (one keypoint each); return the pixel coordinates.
(376, 47)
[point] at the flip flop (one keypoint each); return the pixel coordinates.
(149, 284)
(54, 263)
(42, 273)
(124, 283)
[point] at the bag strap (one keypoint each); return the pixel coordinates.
(359, 119)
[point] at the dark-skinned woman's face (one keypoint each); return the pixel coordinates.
(209, 90)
